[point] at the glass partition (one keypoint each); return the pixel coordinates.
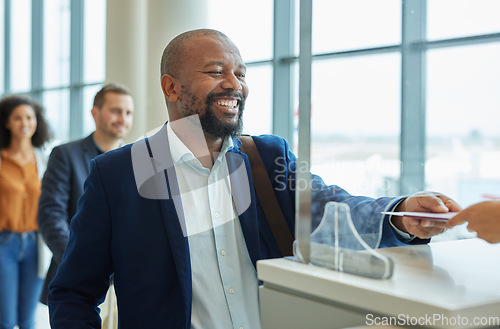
(463, 117)
(357, 106)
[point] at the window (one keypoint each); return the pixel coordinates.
(248, 23)
(20, 47)
(252, 32)
(56, 104)
(462, 122)
(257, 118)
(94, 45)
(462, 18)
(53, 50)
(345, 25)
(56, 48)
(355, 122)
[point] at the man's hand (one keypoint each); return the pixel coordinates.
(424, 202)
(483, 218)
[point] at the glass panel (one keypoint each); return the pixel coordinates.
(95, 41)
(463, 142)
(56, 43)
(56, 103)
(88, 101)
(355, 123)
(352, 24)
(20, 50)
(459, 18)
(355, 128)
(251, 29)
(257, 117)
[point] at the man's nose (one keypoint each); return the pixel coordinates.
(122, 117)
(232, 82)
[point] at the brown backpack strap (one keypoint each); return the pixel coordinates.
(265, 193)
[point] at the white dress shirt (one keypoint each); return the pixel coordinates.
(224, 281)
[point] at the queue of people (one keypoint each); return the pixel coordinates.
(163, 249)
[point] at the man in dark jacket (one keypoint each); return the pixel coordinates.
(68, 167)
(175, 218)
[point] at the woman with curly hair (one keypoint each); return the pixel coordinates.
(23, 133)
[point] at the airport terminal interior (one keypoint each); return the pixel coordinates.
(380, 97)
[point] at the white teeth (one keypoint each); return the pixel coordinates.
(228, 103)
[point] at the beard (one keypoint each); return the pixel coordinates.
(210, 123)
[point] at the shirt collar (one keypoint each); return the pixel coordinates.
(181, 153)
(98, 148)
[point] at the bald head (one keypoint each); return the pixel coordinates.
(173, 54)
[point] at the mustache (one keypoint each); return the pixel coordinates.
(235, 94)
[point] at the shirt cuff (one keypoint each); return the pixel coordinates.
(402, 236)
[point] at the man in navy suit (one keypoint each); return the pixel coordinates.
(69, 166)
(175, 218)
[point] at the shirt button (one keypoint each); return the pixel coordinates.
(223, 252)
(216, 215)
(231, 290)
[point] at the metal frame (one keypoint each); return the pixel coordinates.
(7, 63)
(37, 47)
(283, 46)
(76, 69)
(303, 176)
(413, 86)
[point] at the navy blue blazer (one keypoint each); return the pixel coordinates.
(62, 185)
(122, 227)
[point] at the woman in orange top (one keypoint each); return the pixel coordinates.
(23, 131)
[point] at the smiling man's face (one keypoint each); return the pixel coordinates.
(212, 85)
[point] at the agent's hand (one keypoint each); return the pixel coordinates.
(483, 218)
(424, 202)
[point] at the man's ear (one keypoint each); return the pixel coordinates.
(169, 87)
(94, 112)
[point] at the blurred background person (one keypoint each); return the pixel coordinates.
(23, 133)
(68, 168)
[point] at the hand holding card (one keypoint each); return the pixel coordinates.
(441, 217)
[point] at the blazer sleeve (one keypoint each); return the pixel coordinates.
(82, 279)
(53, 221)
(366, 212)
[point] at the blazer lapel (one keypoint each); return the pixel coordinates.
(89, 151)
(165, 182)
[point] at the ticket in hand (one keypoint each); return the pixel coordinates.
(437, 216)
